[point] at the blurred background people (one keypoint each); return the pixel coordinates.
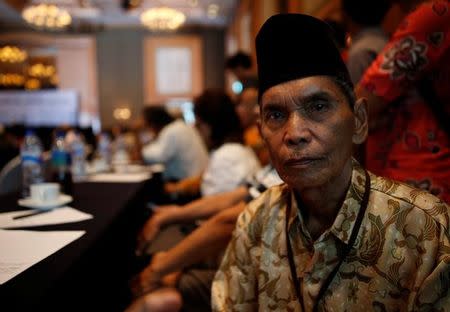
(187, 268)
(241, 66)
(10, 140)
(231, 162)
(176, 145)
(408, 100)
(247, 109)
(340, 36)
(363, 22)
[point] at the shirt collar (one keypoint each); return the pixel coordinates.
(345, 220)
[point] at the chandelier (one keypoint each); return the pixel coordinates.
(12, 54)
(162, 18)
(47, 16)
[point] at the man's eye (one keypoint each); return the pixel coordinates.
(274, 115)
(318, 107)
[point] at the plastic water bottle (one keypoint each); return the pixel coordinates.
(32, 165)
(120, 151)
(78, 158)
(104, 152)
(61, 164)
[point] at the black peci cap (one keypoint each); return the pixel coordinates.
(295, 46)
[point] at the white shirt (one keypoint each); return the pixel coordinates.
(229, 166)
(180, 148)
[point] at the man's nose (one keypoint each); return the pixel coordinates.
(297, 131)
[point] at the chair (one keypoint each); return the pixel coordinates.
(11, 174)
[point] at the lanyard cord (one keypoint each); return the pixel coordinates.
(348, 247)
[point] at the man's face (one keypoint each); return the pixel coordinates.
(309, 128)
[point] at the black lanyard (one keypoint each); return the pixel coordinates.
(345, 252)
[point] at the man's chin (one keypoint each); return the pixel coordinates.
(301, 182)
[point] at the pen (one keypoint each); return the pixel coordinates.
(34, 213)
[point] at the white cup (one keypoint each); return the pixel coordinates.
(44, 192)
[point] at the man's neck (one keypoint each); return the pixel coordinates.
(319, 206)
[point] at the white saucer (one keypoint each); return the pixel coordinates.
(30, 203)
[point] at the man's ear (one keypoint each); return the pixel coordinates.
(361, 121)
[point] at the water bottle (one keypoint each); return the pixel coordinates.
(120, 156)
(78, 158)
(32, 165)
(104, 152)
(61, 164)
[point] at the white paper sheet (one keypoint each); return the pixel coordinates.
(23, 249)
(56, 216)
(119, 177)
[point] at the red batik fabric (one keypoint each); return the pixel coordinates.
(409, 144)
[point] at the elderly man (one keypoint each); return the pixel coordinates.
(333, 237)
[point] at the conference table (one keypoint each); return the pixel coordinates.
(92, 272)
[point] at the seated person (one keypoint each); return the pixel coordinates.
(241, 66)
(248, 111)
(176, 145)
(230, 163)
(334, 237)
(162, 280)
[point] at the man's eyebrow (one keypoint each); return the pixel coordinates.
(321, 95)
(300, 99)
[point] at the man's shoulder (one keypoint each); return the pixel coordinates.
(411, 198)
(263, 209)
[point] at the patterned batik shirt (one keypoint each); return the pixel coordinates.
(400, 260)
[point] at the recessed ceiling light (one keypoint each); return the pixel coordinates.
(212, 11)
(193, 3)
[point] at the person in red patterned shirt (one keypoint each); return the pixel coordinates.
(409, 100)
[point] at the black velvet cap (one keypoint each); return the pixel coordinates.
(295, 46)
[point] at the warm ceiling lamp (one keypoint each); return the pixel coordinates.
(162, 18)
(47, 16)
(11, 54)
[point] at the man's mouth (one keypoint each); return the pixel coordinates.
(301, 161)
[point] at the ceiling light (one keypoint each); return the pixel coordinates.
(193, 3)
(46, 16)
(162, 18)
(213, 10)
(11, 54)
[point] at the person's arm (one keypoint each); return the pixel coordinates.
(188, 186)
(198, 209)
(406, 59)
(207, 240)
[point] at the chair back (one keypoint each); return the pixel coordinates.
(11, 174)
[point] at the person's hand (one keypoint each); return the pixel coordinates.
(148, 279)
(171, 187)
(161, 216)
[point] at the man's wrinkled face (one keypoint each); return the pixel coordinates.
(309, 128)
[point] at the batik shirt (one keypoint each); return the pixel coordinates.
(410, 143)
(400, 260)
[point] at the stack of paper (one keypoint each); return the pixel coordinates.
(22, 249)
